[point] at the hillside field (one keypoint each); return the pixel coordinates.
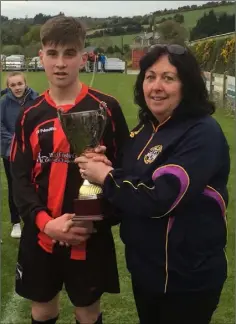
(191, 17)
(190, 20)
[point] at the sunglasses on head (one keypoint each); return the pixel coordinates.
(171, 48)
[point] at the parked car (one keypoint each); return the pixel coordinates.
(35, 64)
(113, 64)
(14, 63)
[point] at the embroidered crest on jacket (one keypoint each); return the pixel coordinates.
(152, 154)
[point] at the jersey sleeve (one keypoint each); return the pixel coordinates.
(25, 195)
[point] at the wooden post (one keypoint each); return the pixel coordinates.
(224, 98)
(126, 63)
(211, 85)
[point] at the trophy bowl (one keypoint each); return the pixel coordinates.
(84, 130)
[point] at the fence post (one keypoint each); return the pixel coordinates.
(224, 99)
(4, 64)
(126, 63)
(211, 85)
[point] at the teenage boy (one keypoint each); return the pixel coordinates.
(46, 181)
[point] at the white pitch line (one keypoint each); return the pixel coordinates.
(93, 76)
(12, 310)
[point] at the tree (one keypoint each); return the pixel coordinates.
(32, 49)
(117, 49)
(4, 18)
(206, 26)
(12, 49)
(179, 18)
(172, 32)
(110, 50)
(210, 25)
(87, 43)
(33, 36)
(226, 23)
(126, 48)
(99, 50)
(152, 21)
(40, 19)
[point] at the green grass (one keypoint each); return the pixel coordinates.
(191, 17)
(117, 309)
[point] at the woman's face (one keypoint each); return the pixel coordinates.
(17, 85)
(162, 88)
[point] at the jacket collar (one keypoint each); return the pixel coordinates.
(29, 94)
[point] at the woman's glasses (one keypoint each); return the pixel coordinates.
(171, 48)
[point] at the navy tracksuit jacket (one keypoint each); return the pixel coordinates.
(172, 196)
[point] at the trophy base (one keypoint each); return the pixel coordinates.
(88, 209)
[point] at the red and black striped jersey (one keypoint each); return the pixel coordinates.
(45, 179)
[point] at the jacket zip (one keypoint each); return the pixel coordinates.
(150, 139)
(155, 129)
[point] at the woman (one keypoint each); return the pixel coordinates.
(17, 95)
(171, 192)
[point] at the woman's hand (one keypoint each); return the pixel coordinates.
(93, 171)
(98, 155)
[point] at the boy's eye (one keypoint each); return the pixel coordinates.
(71, 53)
(51, 53)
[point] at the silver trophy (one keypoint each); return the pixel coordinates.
(84, 130)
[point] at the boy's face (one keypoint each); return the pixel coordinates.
(62, 64)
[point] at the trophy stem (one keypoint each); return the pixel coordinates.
(89, 191)
(86, 183)
(88, 205)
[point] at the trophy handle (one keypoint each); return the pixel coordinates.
(60, 112)
(103, 110)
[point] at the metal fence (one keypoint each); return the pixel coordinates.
(221, 89)
(211, 37)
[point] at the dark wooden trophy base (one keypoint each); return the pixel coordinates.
(88, 209)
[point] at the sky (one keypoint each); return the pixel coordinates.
(20, 9)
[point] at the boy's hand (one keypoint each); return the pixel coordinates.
(83, 223)
(74, 236)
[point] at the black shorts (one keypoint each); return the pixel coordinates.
(40, 275)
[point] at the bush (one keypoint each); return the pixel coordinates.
(32, 49)
(12, 49)
(216, 54)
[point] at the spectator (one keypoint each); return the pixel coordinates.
(17, 94)
(103, 60)
(92, 61)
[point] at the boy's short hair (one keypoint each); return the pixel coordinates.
(63, 31)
